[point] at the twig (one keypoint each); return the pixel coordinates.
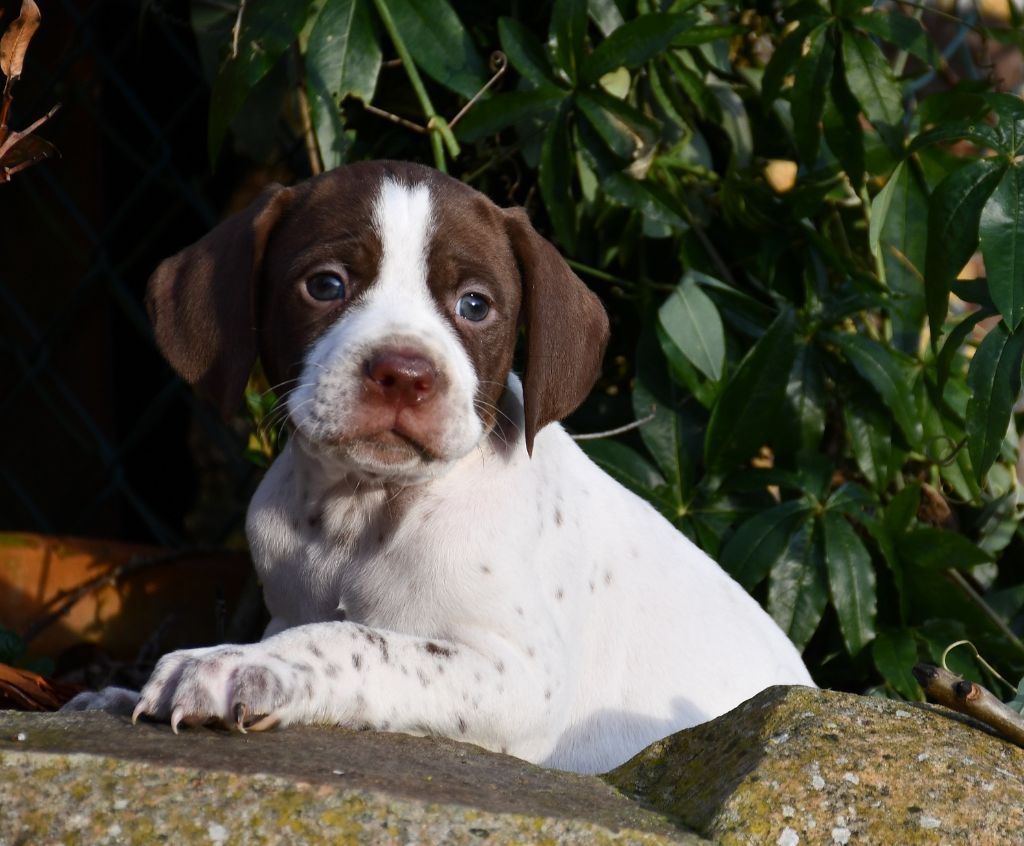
(308, 135)
(967, 590)
(498, 60)
(629, 427)
(434, 121)
(109, 578)
(15, 137)
(236, 29)
(971, 699)
(401, 121)
(709, 247)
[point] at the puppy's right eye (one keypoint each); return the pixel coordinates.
(326, 287)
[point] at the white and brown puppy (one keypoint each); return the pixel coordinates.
(437, 554)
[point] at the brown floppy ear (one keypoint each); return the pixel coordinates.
(202, 302)
(566, 329)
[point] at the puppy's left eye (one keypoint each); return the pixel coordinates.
(326, 287)
(472, 306)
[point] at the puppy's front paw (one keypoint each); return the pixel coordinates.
(239, 686)
(113, 700)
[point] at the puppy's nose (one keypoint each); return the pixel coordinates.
(400, 378)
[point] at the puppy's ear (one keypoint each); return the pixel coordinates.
(566, 329)
(202, 302)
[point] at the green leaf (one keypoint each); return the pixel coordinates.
(942, 434)
(633, 44)
(843, 133)
(747, 408)
(267, 31)
(869, 430)
(1001, 234)
(936, 549)
(880, 206)
(872, 82)
(890, 373)
(1010, 110)
(675, 434)
(757, 545)
(976, 131)
(648, 198)
(895, 652)
(690, 319)
(903, 31)
(734, 121)
(902, 509)
(555, 179)
(343, 56)
(526, 53)
(957, 335)
(503, 110)
(605, 14)
(797, 588)
(852, 499)
(785, 57)
(694, 36)
(899, 234)
(974, 291)
(439, 44)
(569, 30)
(805, 395)
(954, 211)
(813, 72)
(627, 467)
(994, 379)
(621, 127)
(851, 580)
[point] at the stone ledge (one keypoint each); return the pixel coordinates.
(93, 778)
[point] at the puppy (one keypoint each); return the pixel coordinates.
(437, 554)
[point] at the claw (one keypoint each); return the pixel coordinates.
(140, 709)
(240, 714)
(176, 717)
(264, 723)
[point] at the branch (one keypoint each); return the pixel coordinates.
(440, 134)
(971, 699)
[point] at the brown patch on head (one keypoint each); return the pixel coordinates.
(470, 253)
(329, 225)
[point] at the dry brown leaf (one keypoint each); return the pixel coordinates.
(15, 41)
(23, 690)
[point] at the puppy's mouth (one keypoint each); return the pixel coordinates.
(394, 446)
(389, 452)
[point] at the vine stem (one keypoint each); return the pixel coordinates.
(971, 594)
(440, 133)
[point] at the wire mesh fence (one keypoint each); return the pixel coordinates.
(97, 437)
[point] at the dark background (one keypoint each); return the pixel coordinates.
(97, 437)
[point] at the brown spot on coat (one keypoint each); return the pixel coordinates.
(437, 649)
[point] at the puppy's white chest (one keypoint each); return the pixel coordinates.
(327, 549)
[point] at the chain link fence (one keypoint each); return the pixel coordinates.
(97, 437)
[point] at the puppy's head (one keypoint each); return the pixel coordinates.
(383, 299)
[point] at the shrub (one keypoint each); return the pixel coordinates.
(776, 216)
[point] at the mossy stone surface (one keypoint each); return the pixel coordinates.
(92, 778)
(791, 766)
(802, 766)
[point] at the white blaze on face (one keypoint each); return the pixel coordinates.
(396, 311)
